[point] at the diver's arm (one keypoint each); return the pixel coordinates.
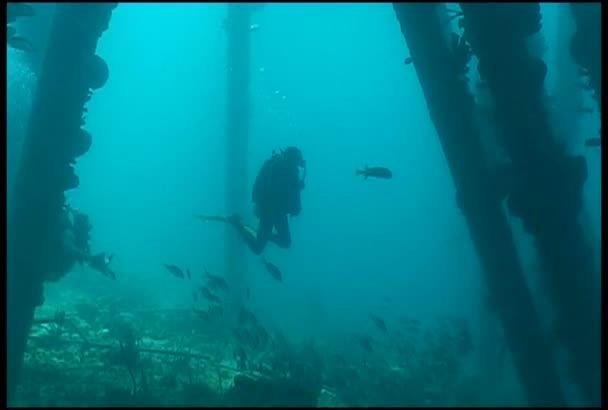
(295, 204)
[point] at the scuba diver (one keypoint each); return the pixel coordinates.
(76, 245)
(276, 196)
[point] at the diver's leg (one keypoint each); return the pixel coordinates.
(255, 243)
(283, 236)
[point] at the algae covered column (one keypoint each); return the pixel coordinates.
(441, 68)
(586, 44)
(54, 139)
(238, 22)
(547, 182)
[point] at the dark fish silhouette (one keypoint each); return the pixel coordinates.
(365, 343)
(378, 322)
(14, 10)
(408, 61)
(175, 271)
(20, 43)
(216, 281)
(207, 294)
(201, 314)
(246, 318)
(376, 172)
(273, 270)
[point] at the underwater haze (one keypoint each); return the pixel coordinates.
(329, 79)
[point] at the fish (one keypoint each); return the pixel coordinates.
(246, 318)
(408, 61)
(207, 294)
(215, 310)
(261, 336)
(14, 10)
(585, 110)
(365, 343)
(583, 86)
(272, 269)
(101, 264)
(377, 172)
(217, 281)
(241, 335)
(593, 142)
(378, 322)
(201, 314)
(175, 271)
(20, 43)
(455, 14)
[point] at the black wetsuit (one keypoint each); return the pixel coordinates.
(276, 195)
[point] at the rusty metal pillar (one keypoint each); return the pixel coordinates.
(547, 182)
(53, 141)
(441, 68)
(238, 24)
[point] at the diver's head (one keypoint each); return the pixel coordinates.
(294, 156)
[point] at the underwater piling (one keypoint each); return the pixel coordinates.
(586, 44)
(238, 24)
(441, 69)
(546, 191)
(53, 141)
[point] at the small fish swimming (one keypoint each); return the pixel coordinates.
(262, 336)
(272, 269)
(378, 322)
(377, 172)
(20, 43)
(209, 296)
(585, 110)
(217, 281)
(101, 264)
(583, 86)
(408, 61)
(365, 343)
(175, 271)
(246, 318)
(14, 10)
(201, 314)
(215, 311)
(593, 142)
